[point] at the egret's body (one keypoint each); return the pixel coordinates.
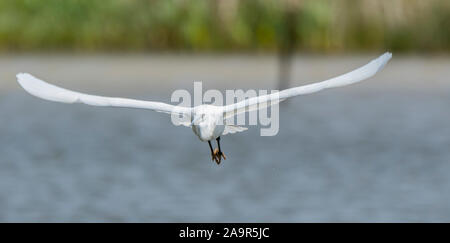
(207, 121)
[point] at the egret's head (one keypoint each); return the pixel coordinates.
(198, 118)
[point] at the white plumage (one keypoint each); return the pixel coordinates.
(208, 122)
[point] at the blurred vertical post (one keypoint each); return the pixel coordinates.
(287, 42)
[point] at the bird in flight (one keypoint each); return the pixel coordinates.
(208, 122)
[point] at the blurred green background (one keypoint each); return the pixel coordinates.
(225, 25)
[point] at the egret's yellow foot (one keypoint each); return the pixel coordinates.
(220, 154)
(216, 155)
(213, 156)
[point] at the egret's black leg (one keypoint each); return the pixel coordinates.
(213, 155)
(210, 146)
(220, 154)
(218, 144)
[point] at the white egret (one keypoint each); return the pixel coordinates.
(208, 122)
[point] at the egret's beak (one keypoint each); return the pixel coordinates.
(196, 120)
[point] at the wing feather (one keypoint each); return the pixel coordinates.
(52, 92)
(352, 77)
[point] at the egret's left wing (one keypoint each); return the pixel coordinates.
(51, 92)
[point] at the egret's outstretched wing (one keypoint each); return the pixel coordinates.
(51, 92)
(352, 77)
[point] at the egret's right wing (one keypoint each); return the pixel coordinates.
(51, 92)
(352, 77)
